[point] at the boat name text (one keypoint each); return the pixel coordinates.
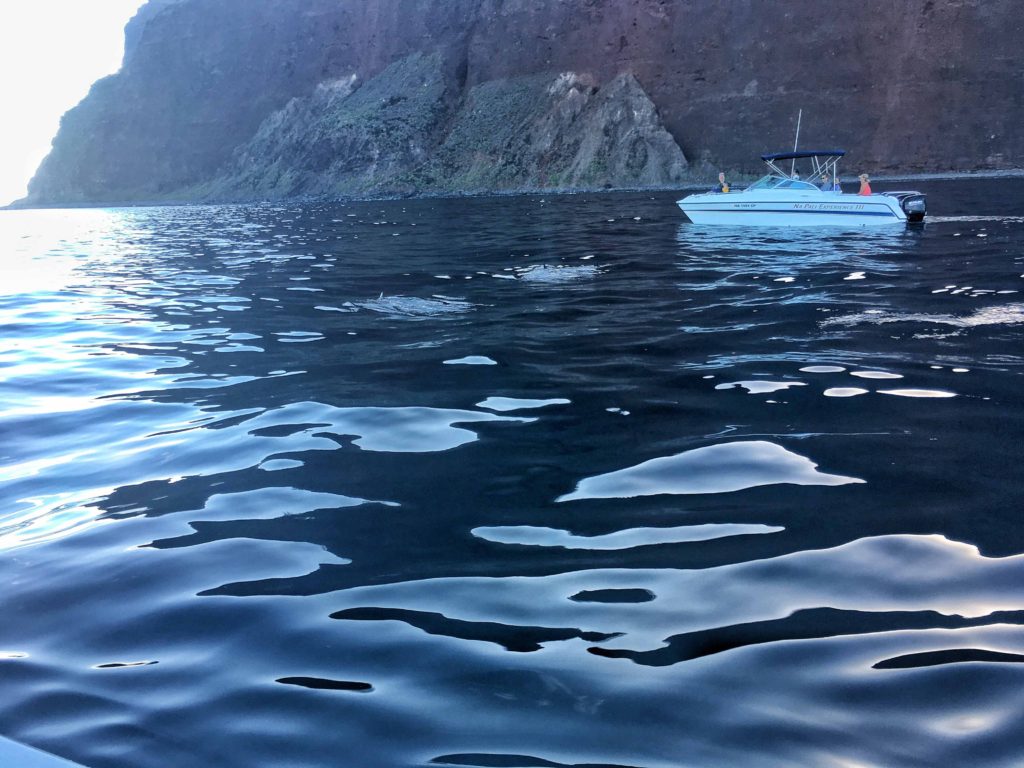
(828, 207)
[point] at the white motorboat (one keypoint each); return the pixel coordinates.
(782, 198)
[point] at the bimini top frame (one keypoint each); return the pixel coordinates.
(823, 161)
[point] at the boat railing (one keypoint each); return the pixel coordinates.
(824, 163)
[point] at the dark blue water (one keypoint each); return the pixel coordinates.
(512, 482)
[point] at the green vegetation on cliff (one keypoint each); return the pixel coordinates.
(407, 131)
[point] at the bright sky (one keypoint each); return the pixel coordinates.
(51, 51)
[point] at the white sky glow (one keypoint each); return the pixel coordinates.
(51, 51)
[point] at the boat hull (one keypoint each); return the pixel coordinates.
(801, 209)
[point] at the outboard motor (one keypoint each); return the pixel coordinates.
(914, 204)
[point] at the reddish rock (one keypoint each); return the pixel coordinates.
(908, 85)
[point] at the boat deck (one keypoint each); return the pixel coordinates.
(18, 755)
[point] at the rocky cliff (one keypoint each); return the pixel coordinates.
(275, 98)
(409, 130)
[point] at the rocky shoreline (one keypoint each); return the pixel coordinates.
(688, 186)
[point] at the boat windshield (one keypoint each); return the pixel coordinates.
(794, 184)
(765, 182)
(776, 182)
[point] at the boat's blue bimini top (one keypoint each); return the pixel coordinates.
(798, 155)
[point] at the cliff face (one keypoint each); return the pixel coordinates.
(262, 97)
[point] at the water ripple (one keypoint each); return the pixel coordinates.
(519, 508)
(721, 468)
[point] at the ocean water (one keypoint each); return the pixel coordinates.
(512, 482)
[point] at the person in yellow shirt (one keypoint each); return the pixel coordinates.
(723, 185)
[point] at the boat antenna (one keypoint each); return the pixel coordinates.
(792, 164)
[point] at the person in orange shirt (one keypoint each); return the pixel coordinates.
(865, 187)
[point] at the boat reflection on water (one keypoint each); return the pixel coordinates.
(736, 282)
(738, 248)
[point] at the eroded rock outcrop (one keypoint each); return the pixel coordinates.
(346, 138)
(560, 132)
(406, 131)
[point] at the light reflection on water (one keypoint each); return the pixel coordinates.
(521, 481)
(722, 468)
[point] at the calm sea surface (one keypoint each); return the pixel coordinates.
(516, 481)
